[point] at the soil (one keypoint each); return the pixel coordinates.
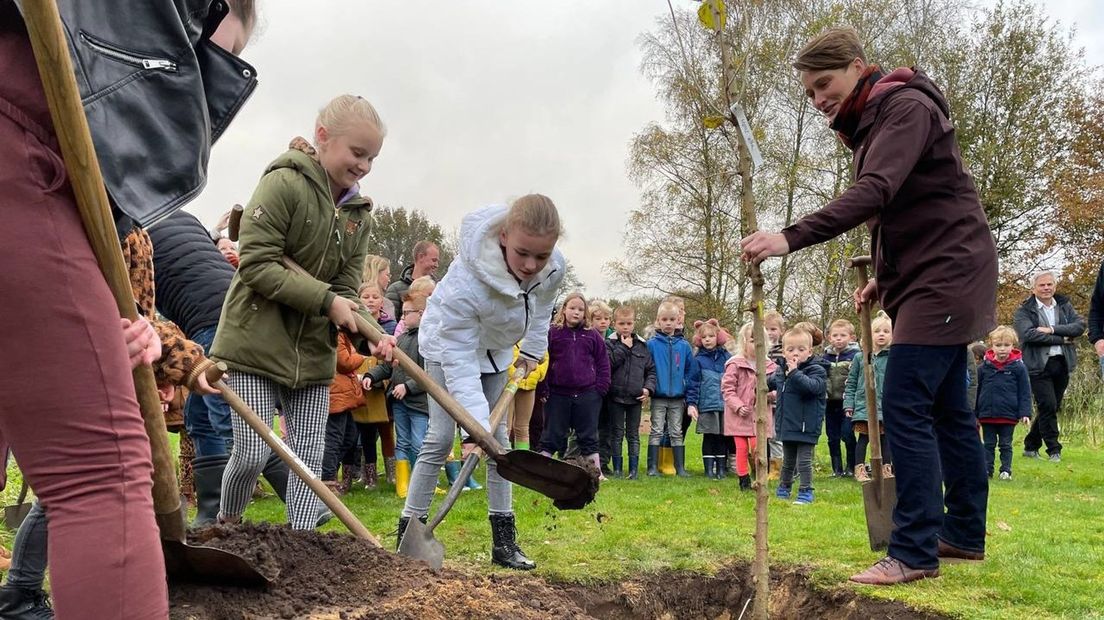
(335, 576)
(588, 494)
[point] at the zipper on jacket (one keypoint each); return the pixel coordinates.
(317, 270)
(158, 64)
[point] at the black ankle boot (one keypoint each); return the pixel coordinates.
(24, 604)
(505, 550)
(745, 482)
(719, 467)
(208, 485)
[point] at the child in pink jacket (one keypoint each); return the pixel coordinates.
(738, 390)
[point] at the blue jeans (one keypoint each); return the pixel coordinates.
(207, 418)
(411, 426)
(938, 457)
(29, 551)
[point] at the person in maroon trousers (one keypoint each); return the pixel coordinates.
(75, 427)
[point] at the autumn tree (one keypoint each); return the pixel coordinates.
(394, 232)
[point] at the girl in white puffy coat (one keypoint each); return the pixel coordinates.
(500, 290)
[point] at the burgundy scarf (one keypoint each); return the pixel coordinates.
(847, 119)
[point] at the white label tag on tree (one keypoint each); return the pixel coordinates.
(745, 131)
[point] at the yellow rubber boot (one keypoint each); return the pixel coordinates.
(402, 477)
(666, 461)
(774, 469)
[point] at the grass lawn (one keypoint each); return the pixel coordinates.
(1045, 551)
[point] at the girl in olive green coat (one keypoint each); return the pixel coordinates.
(278, 329)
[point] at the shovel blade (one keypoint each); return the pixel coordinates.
(418, 543)
(569, 486)
(194, 563)
(879, 500)
(14, 515)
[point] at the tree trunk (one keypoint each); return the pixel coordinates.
(760, 567)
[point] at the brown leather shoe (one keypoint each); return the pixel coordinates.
(952, 553)
(891, 571)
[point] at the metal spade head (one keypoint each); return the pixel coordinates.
(194, 563)
(879, 500)
(418, 542)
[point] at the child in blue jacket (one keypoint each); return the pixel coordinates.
(1004, 397)
(802, 386)
(672, 355)
(703, 394)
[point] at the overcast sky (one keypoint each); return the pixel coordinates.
(484, 101)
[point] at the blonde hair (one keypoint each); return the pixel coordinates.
(842, 324)
(536, 214)
(667, 308)
(422, 286)
(597, 306)
(881, 320)
(622, 312)
(373, 267)
(678, 301)
(834, 48)
(559, 321)
(795, 333)
(774, 316)
(344, 111)
(367, 285)
(1002, 333)
(745, 333)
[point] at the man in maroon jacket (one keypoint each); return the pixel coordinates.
(935, 274)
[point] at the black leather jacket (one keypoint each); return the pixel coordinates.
(157, 94)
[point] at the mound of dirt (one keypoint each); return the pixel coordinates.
(339, 577)
(342, 577)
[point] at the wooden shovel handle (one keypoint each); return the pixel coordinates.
(451, 406)
(246, 413)
(51, 52)
(233, 227)
(859, 264)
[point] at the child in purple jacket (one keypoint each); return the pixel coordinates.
(578, 378)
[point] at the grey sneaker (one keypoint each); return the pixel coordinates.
(1056, 457)
(1031, 454)
(1006, 475)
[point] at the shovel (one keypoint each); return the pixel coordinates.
(14, 515)
(246, 413)
(51, 50)
(418, 541)
(569, 486)
(880, 492)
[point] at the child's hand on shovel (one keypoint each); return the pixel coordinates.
(526, 366)
(202, 387)
(384, 350)
(341, 313)
(143, 345)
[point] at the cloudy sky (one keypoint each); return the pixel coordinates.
(484, 101)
